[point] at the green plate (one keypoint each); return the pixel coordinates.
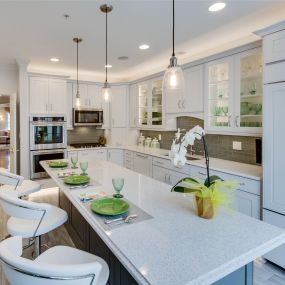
(76, 179)
(110, 206)
(57, 164)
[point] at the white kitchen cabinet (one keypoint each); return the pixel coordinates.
(191, 100)
(133, 105)
(89, 154)
(129, 159)
(274, 46)
(233, 94)
(119, 106)
(47, 96)
(143, 164)
(167, 176)
(106, 115)
(273, 149)
(39, 95)
(94, 96)
(116, 156)
(277, 255)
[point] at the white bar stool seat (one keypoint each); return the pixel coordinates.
(29, 219)
(14, 182)
(60, 265)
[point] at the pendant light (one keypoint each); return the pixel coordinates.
(173, 77)
(77, 97)
(106, 89)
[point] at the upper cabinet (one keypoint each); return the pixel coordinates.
(119, 106)
(47, 96)
(90, 95)
(233, 94)
(132, 105)
(191, 100)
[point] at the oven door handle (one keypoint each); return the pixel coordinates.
(35, 152)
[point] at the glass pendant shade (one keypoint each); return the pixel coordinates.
(173, 77)
(106, 92)
(77, 99)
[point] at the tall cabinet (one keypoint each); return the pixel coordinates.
(274, 133)
(234, 88)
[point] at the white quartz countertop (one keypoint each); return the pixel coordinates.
(236, 168)
(175, 247)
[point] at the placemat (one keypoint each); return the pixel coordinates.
(133, 210)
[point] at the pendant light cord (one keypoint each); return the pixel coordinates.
(106, 45)
(77, 67)
(173, 53)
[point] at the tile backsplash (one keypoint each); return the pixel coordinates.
(219, 146)
(84, 135)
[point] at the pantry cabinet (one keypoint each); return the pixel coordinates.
(47, 96)
(233, 94)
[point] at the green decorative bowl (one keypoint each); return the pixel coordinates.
(76, 179)
(110, 206)
(57, 164)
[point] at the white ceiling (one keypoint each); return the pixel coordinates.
(37, 30)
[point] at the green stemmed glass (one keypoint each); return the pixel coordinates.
(84, 166)
(74, 160)
(118, 184)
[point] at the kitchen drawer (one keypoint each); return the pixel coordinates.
(274, 47)
(143, 164)
(245, 184)
(129, 154)
(167, 163)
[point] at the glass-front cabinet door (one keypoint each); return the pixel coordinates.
(143, 104)
(156, 103)
(219, 94)
(150, 104)
(249, 97)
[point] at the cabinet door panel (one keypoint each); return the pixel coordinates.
(248, 204)
(116, 156)
(173, 102)
(193, 100)
(273, 150)
(133, 105)
(143, 164)
(160, 174)
(94, 97)
(57, 96)
(39, 92)
(274, 46)
(118, 106)
(69, 115)
(83, 95)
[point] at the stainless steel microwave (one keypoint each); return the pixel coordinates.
(87, 117)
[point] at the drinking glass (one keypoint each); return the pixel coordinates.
(118, 184)
(84, 166)
(74, 159)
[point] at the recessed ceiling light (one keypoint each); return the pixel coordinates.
(217, 7)
(144, 46)
(54, 59)
(108, 66)
(123, 57)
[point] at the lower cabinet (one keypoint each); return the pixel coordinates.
(85, 238)
(116, 156)
(167, 176)
(143, 164)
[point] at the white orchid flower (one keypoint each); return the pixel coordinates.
(179, 160)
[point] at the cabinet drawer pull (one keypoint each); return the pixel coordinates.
(242, 184)
(159, 162)
(201, 173)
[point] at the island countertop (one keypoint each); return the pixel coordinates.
(175, 247)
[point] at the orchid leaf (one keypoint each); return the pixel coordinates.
(189, 180)
(213, 179)
(181, 189)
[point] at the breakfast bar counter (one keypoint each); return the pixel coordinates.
(172, 246)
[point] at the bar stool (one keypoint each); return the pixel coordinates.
(17, 183)
(59, 265)
(29, 219)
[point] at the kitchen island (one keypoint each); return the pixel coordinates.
(174, 246)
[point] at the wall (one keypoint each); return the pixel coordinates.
(219, 146)
(8, 79)
(84, 135)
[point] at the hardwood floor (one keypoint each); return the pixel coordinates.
(265, 273)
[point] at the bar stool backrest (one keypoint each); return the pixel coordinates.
(9, 178)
